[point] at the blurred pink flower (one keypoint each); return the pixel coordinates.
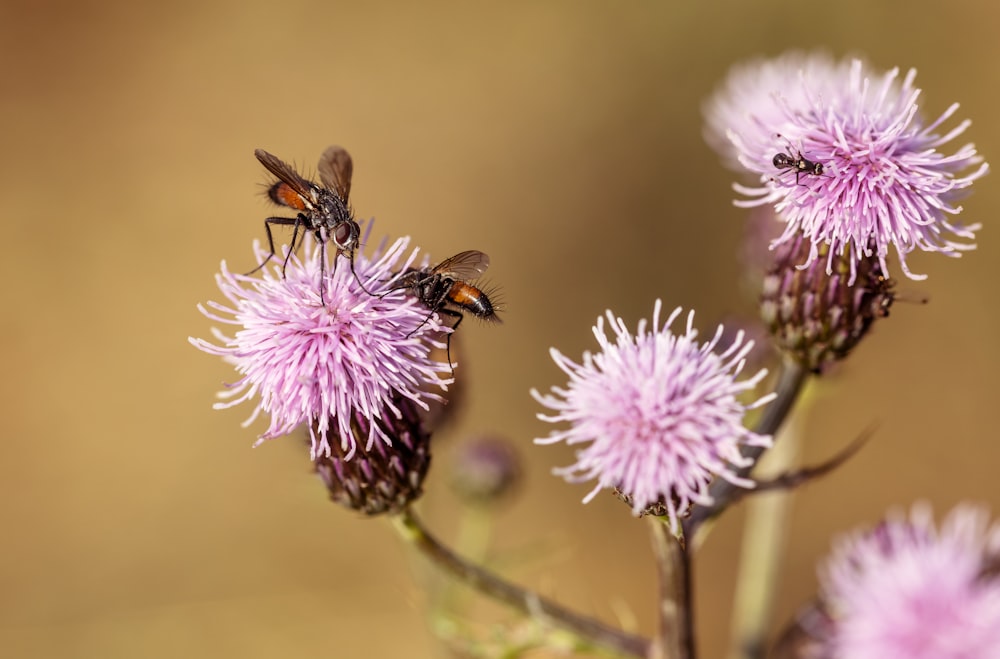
(317, 364)
(745, 103)
(908, 590)
(660, 414)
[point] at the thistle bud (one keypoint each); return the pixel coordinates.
(819, 317)
(380, 479)
(485, 469)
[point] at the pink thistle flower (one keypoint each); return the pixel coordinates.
(908, 590)
(319, 364)
(883, 182)
(745, 102)
(660, 414)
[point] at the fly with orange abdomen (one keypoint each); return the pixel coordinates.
(445, 289)
(322, 209)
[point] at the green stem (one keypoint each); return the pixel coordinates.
(762, 553)
(525, 601)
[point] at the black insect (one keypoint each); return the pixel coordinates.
(794, 160)
(445, 289)
(322, 209)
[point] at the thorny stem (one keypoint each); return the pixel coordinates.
(791, 379)
(525, 601)
(675, 637)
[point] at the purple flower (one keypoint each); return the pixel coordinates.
(909, 590)
(745, 103)
(319, 364)
(660, 414)
(883, 181)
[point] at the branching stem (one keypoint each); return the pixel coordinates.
(525, 601)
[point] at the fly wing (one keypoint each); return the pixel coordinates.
(464, 265)
(285, 173)
(335, 171)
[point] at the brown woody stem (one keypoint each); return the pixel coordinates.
(675, 638)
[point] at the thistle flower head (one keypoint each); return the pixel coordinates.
(881, 181)
(659, 414)
(907, 589)
(307, 362)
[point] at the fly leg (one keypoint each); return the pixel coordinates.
(280, 221)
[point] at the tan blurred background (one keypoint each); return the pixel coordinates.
(564, 139)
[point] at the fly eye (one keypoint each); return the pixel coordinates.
(345, 235)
